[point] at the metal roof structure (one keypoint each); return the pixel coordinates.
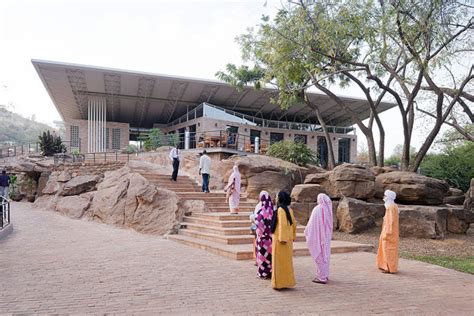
(143, 99)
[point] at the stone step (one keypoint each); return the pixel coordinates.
(216, 223)
(226, 231)
(223, 216)
(229, 230)
(211, 199)
(245, 252)
(221, 209)
(230, 240)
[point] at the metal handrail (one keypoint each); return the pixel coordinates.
(4, 212)
(31, 148)
(92, 157)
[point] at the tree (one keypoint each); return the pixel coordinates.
(51, 144)
(455, 165)
(294, 152)
(400, 46)
(154, 139)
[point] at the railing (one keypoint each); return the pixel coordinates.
(92, 157)
(223, 139)
(31, 148)
(4, 212)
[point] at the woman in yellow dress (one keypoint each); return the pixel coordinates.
(284, 233)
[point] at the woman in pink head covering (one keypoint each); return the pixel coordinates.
(318, 234)
(233, 190)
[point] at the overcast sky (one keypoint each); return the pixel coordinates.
(185, 38)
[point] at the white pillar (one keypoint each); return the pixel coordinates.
(88, 127)
(257, 145)
(186, 139)
(96, 124)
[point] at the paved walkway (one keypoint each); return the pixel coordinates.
(53, 264)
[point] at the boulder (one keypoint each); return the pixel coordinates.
(73, 206)
(52, 186)
(195, 206)
(458, 220)
(355, 216)
(318, 178)
(469, 198)
(264, 173)
(127, 199)
(454, 200)
(47, 202)
(80, 184)
(64, 176)
(423, 221)
(306, 192)
(350, 180)
(303, 210)
(42, 181)
(379, 170)
(412, 188)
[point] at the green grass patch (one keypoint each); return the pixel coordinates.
(463, 264)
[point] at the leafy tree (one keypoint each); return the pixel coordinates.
(401, 46)
(154, 139)
(173, 139)
(454, 165)
(51, 144)
(294, 152)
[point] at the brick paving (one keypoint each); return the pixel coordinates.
(53, 264)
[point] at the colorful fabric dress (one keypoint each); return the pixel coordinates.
(318, 234)
(263, 220)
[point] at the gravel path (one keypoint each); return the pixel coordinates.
(452, 245)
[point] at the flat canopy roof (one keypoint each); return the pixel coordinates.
(143, 99)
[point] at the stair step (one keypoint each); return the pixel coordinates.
(226, 231)
(245, 252)
(223, 216)
(216, 223)
(231, 240)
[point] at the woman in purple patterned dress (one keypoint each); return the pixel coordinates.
(263, 220)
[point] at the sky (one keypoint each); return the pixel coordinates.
(183, 38)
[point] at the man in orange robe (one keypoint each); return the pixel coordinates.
(387, 254)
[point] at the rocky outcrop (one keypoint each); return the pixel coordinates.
(306, 192)
(379, 170)
(412, 188)
(349, 180)
(264, 173)
(73, 206)
(355, 216)
(423, 221)
(123, 198)
(454, 197)
(459, 220)
(79, 184)
(469, 198)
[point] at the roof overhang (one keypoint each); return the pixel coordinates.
(143, 99)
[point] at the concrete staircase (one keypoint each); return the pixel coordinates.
(220, 232)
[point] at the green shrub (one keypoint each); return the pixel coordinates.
(51, 144)
(130, 149)
(454, 165)
(154, 139)
(173, 139)
(294, 152)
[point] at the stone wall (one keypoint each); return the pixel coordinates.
(84, 168)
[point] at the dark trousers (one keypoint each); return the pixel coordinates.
(205, 182)
(174, 176)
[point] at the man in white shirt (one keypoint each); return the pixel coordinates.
(174, 156)
(205, 170)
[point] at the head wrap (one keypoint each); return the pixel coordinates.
(389, 197)
(284, 200)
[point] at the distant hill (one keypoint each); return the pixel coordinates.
(14, 128)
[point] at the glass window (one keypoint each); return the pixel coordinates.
(301, 138)
(275, 137)
(344, 149)
(116, 138)
(74, 136)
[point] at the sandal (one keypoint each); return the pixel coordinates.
(315, 280)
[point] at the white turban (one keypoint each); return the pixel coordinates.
(389, 197)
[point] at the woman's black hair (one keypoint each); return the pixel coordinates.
(284, 200)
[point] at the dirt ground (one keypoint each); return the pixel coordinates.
(453, 245)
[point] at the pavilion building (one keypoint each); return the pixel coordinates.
(103, 109)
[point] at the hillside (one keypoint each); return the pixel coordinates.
(14, 128)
